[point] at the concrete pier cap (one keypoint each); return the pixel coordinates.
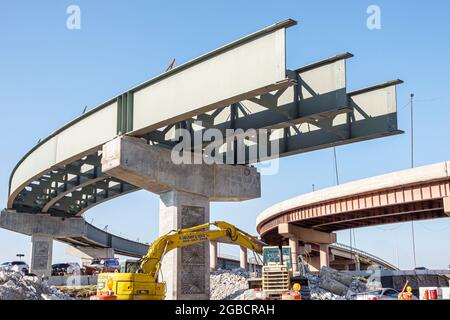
(151, 168)
(43, 229)
(306, 235)
(295, 234)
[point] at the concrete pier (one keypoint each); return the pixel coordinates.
(185, 271)
(295, 234)
(41, 255)
(185, 192)
(293, 244)
(324, 256)
(243, 258)
(213, 255)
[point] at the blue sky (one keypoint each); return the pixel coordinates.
(48, 74)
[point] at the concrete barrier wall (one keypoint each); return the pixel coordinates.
(72, 280)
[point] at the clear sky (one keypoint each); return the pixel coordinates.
(48, 74)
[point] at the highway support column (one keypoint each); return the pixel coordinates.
(324, 255)
(41, 255)
(185, 270)
(447, 205)
(323, 239)
(243, 258)
(213, 255)
(293, 244)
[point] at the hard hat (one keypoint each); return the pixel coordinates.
(408, 288)
(296, 287)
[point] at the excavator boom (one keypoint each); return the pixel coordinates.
(150, 263)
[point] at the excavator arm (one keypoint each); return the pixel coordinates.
(150, 263)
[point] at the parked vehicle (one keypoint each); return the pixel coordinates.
(17, 266)
(420, 268)
(380, 294)
(102, 265)
(61, 269)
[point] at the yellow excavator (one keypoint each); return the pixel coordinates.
(142, 283)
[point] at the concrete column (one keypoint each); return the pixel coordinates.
(324, 255)
(185, 270)
(243, 259)
(447, 205)
(213, 255)
(293, 244)
(357, 263)
(41, 255)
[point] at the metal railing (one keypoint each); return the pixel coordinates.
(364, 254)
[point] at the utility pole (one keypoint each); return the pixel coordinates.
(412, 129)
(336, 166)
(336, 171)
(412, 166)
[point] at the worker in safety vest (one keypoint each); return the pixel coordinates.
(406, 295)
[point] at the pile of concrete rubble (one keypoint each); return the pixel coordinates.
(229, 284)
(329, 284)
(16, 286)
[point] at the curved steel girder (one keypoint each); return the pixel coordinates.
(90, 195)
(61, 194)
(42, 193)
(129, 189)
(277, 108)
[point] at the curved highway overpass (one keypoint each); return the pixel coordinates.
(413, 194)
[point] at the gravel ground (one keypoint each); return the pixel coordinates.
(16, 286)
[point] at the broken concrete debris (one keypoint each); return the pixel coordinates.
(229, 284)
(340, 284)
(329, 284)
(16, 286)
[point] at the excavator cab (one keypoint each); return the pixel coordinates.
(129, 266)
